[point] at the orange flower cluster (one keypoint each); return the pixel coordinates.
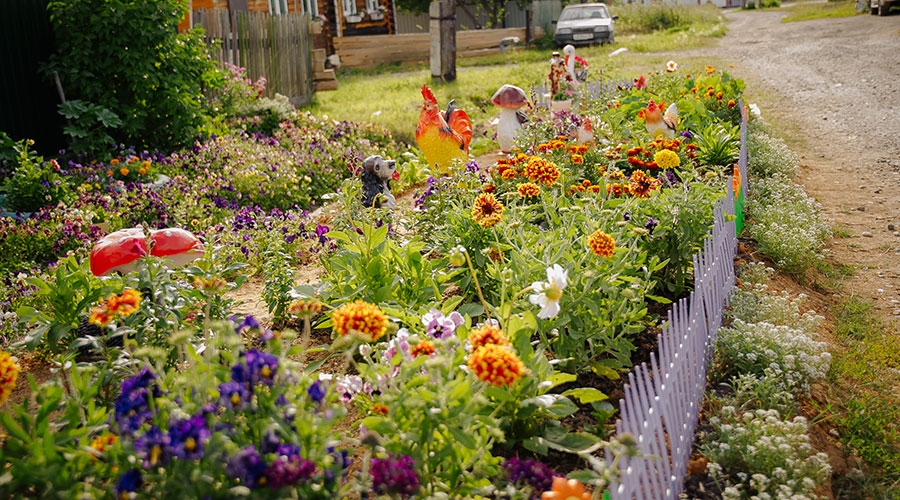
(305, 309)
(602, 244)
(552, 145)
(541, 170)
(528, 189)
(379, 409)
(9, 373)
(487, 210)
(642, 185)
(487, 335)
(580, 149)
(101, 442)
(615, 189)
(424, 348)
(584, 187)
(496, 365)
(360, 318)
(577, 159)
(566, 489)
(634, 158)
(115, 306)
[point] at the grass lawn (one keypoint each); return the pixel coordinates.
(806, 12)
(394, 99)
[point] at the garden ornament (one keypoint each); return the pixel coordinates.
(557, 73)
(443, 137)
(509, 98)
(659, 124)
(585, 132)
(570, 60)
(175, 244)
(120, 250)
(376, 176)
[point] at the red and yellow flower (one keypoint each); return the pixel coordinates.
(486, 335)
(602, 244)
(360, 318)
(487, 210)
(528, 189)
(424, 348)
(496, 365)
(9, 373)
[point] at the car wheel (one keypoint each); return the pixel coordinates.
(883, 8)
(611, 40)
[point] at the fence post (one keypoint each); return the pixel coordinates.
(442, 25)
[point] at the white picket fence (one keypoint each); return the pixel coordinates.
(662, 401)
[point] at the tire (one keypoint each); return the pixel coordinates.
(883, 8)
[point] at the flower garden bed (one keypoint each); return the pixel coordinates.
(471, 336)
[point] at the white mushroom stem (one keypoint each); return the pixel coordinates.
(507, 129)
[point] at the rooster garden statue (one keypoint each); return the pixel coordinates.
(658, 123)
(443, 137)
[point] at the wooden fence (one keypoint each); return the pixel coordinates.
(277, 47)
(372, 50)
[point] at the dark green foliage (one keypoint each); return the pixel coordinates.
(127, 57)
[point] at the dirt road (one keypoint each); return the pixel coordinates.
(835, 83)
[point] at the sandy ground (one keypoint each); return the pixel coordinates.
(836, 82)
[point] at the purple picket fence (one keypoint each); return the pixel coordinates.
(592, 89)
(662, 401)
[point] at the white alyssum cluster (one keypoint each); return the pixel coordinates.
(770, 156)
(787, 223)
(773, 456)
(782, 353)
(754, 302)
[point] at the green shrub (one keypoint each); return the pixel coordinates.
(661, 17)
(34, 183)
(127, 56)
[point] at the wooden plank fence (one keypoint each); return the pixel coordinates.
(277, 47)
(662, 401)
(372, 50)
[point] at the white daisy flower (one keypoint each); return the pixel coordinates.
(671, 67)
(547, 293)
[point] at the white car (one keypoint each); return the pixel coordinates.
(585, 24)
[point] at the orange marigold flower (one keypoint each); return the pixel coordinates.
(424, 348)
(490, 188)
(101, 316)
(502, 161)
(731, 103)
(602, 244)
(109, 172)
(9, 373)
(101, 442)
(508, 173)
(528, 189)
(558, 144)
(595, 189)
(487, 210)
(142, 171)
(561, 138)
(544, 147)
(585, 183)
(566, 489)
(305, 308)
(145, 164)
(379, 409)
(115, 161)
(573, 148)
(124, 171)
(618, 174)
(642, 184)
(541, 170)
(577, 159)
(496, 365)
(719, 95)
(360, 318)
(127, 303)
(710, 70)
(487, 335)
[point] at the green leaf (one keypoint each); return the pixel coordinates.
(576, 442)
(536, 444)
(604, 370)
(499, 394)
(560, 378)
(13, 428)
(586, 394)
(661, 300)
(463, 438)
(471, 309)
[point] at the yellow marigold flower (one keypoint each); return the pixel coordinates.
(528, 189)
(541, 170)
(305, 308)
(666, 159)
(496, 365)
(577, 159)
(487, 210)
(508, 173)
(360, 318)
(487, 335)
(145, 163)
(424, 348)
(602, 244)
(9, 373)
(142, 171)
(124, 171)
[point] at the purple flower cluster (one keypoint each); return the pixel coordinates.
(289, 467)
(439, 326)
(529, 472)
(256, 367)
(394, 476)
(132, 407)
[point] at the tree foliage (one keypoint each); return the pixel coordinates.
(127, 57)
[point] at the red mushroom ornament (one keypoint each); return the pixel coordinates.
(176, 245)
(118, 251)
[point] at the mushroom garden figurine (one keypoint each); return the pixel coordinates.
(176, 245)
(118, 251)
(376, 176)
(509, 98)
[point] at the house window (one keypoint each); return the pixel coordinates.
(372, 5)
(278, 6)
(349, 7)
(311, 7)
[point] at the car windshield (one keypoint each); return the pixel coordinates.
(579, 13)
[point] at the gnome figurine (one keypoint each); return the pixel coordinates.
(376, 176)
